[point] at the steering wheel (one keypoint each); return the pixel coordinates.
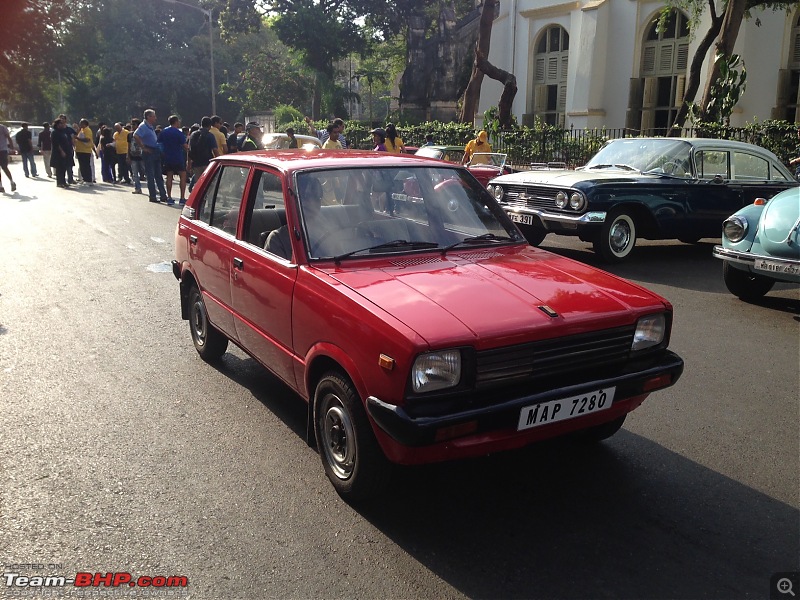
(673, 167)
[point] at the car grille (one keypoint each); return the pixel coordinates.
(580, 355)
(530, 196)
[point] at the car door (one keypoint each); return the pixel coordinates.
(211, 244)
(716, 194)
(758, 177)
(263, 282)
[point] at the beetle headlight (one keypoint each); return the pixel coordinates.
(561, 199)
(498, 192)
(734, 228)
(576, 201)
(436, 370)
(650, 331)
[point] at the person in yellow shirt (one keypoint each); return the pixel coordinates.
(84, 148)
(479, 145)
(394, 143)
(121, 144)
(222, 142)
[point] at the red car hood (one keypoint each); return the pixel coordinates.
(491, 297)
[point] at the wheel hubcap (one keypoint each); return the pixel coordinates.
(199, 322)
(620, 236)
(338, 438)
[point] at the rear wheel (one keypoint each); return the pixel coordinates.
(689, 239)
(351, 456)
(617, 237)
(209, 341)
(744, 284)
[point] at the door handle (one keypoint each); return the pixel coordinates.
(193, 240)
(238, 263)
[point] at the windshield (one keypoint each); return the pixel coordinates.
(667, 156)
(493, 159)
(367, 211)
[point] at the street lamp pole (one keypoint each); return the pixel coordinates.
(208, 15)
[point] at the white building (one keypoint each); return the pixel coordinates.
(596, 63)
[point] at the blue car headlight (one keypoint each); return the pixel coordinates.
(650, 331)
(734, 228)
(436, 370)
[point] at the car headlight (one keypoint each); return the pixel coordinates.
(650, 331)
(498, 192)
(734, 228)
(436, 370)
(561, 199)
(576, 201)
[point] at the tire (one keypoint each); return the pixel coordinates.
(209, 341)
(598, 433)
(745, 285)
(617, 237)
(351, 456)
(532, 234)
(689, 240)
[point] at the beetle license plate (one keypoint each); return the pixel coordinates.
(522, 219)
(776, 267)
(566, 408)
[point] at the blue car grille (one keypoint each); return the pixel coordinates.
(576, 355)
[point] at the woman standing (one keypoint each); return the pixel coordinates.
(108, 155)
(84, 148)
(394, 143)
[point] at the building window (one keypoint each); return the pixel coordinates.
(662, 75)
(550, 75)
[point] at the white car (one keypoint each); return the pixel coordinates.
(274, 141)
(35, 131)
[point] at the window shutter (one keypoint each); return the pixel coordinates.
(552, 69)
(540, 65)
(683, 57)
(650, 94)
(665, 55)
(680, 90)
(648, 121)
(540, 99)
(796, 49)
(562, 98)
(649, 60)
(635, 93)
(564, 66)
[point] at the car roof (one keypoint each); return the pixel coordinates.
(295, 160)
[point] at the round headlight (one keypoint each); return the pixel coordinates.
(576, 201)
(734, 228)
(561, 199)
(498, 192)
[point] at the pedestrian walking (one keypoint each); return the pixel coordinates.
(24, 139)
(6, 145)
(135, 161)
(174, 145)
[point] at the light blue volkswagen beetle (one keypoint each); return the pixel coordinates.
(761, 245)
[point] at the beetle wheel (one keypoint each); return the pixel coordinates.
(745, 285)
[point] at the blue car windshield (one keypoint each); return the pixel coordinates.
(667, 156)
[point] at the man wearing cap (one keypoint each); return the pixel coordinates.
(479, 145)
(252, 139)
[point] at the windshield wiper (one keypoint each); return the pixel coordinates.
(477, 239)
(615, 166)
(410, 244)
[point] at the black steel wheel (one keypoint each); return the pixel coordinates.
(209, 341)
(351, 456)
(744, 284)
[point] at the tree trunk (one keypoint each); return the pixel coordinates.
(693, 81)
(731, 23)
(316, 99)
(473, 92)
(509, 82)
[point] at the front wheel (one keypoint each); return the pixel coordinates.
(744, 284)
(209, 341)
(351, 456)
(617, 237)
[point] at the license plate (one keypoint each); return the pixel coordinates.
(567, 408)
(523, 219)
(776, 267)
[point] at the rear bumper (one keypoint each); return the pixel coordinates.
(502, 418)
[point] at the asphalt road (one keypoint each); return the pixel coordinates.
(121, 451)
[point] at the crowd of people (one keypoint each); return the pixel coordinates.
(141, 152)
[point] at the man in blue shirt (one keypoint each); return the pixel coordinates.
(145, 136)
(173, 143)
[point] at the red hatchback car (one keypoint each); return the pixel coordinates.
(396, 297)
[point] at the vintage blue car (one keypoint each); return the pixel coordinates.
(653, 188)
(761, 245)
